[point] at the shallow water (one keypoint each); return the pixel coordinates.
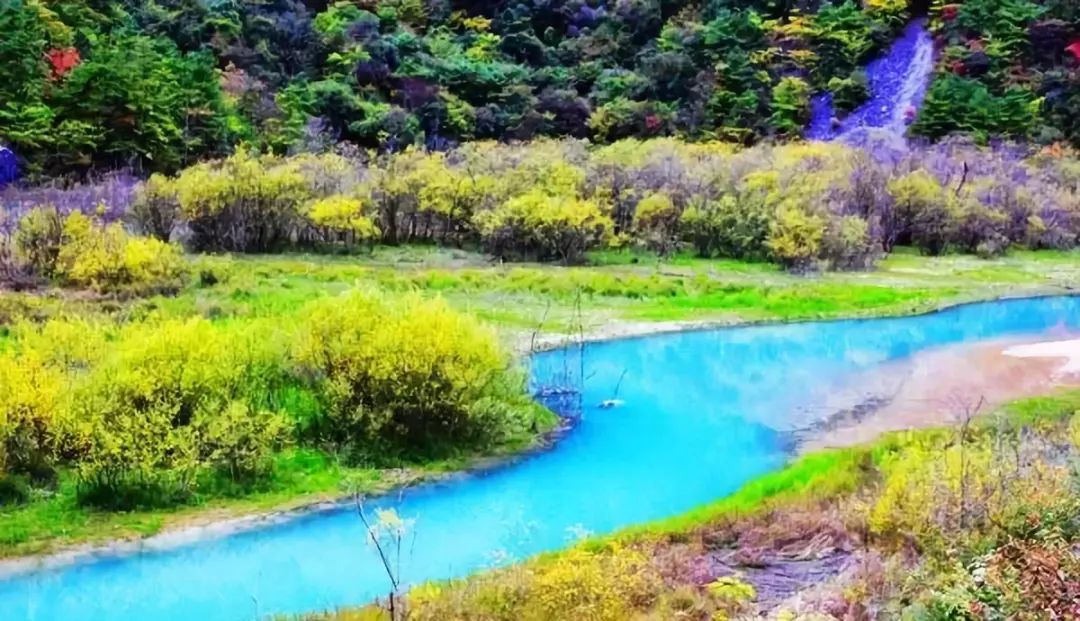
(702, 413)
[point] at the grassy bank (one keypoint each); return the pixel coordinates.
(619, 286)
(973, 522)
(236, 292)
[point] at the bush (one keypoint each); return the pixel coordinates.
(343, 219)
(544, 227)
(795, 238)
(37, 239)
(608, 585)
(107, 259)
(656, 220)
(238, 440)
(407, 377)
(926, 210)
(847, 244)
(32, 427)
(243, 203)
(173, 399)
(727, 227)
(156, 211)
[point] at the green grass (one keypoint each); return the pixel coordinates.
(621, 286)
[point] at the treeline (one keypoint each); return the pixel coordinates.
(155, 85)
(160, 412)
(805, 206)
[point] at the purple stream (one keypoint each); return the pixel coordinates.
(897, 83)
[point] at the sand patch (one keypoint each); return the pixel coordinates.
(941, 386)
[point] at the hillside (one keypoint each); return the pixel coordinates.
(154, 85)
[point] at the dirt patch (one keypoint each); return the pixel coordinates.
(781, 554)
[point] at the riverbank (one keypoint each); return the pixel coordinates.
(918, 523)
(604, 301)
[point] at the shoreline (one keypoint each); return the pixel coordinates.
(196, 530)
(199, 530)
(619, 330)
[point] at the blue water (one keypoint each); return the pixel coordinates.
(897, 81)
(703, 413)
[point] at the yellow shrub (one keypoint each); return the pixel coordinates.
(932, 491)
(174, 397)
(155, 210)
(107, 259)
(243, 203)
(32, 404)
(37, 239)
(795, 237)
(731, 596)
(406, 374)
(539, 226)
(345, 216)
(610, 585)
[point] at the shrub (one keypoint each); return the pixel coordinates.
(410, 377)
(727, 227)
(655, 220)
(107, 259)
(242, 204)
(847, 244)
(32, 405)
(156, 211)
(343, 219)
(925, 210)
(542, 227)
(170, 400)
(37, 239)
(795, 238)
(608, 585)
(238, 440)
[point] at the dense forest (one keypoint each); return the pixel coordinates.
(156, 85)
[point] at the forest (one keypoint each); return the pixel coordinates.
(152, 86)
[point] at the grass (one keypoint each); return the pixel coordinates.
(620, 287)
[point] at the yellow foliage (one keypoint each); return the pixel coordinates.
(345, 215)
(544, 226)
(795, 237)
(932, 491)
(609, 585)
(653, 209)
(33, 396)
(105, 258)
(409, 372)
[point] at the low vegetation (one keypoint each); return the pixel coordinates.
(264, 381)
